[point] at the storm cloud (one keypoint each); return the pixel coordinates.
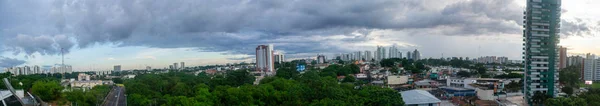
(236, 27)
(10, 62)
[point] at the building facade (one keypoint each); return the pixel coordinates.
(117, 68)
(321, 59)
(381, 54)
(562, 57)
(541, 29)
(416, 55)
(264, 59)
(279, 57)
(589, 67)
(368, 56)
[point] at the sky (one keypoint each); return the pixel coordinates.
(98, 34)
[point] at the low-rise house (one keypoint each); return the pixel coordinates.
(395, 80)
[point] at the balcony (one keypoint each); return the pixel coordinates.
(539, 29)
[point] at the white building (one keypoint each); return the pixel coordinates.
(368, 56)
(264, 59)
(182, 65)
(279, 57)
(394, 53)
(321, 59)
(589, 67)
(381, 54)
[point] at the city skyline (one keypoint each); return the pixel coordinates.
(129, 36)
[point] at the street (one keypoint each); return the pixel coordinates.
(116, 97)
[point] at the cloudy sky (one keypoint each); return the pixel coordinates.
(97, 34)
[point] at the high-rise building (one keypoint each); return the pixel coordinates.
(175, 66)
(399, 54)
(408, 55)
(279, 57)
(562, 61)
(380, 53)
(37, 70)
(541, 28)
(416, 55)
(394, 52)
(264, 59)
(574, 60)
(368, 56)
(321, 59)
(589, 67)
(117, 68)
(182, 65)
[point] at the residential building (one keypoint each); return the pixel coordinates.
(541, 28)
(380, 53)
(175, 66)
(368, 56)
(265, 59)
(562, 60)
(117, 68)
(83, 77)
(321, 59)
(148, 68)
(574, 60)
(416, 55)
(589, 67)
(408, 55)
(279, 57)
(182, 65)
(37, 70)
(394, 52)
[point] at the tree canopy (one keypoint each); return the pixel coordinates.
(311, 88)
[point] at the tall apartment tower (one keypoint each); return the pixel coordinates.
(541, 29)
(408, 55)
(589, 67)
(368, 56)
(416, 55)
(562, 61)
(182, 65)
(279, 57)
(264, 59)
(380, 53)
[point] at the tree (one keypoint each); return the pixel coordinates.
(513, 86)
(570, 76)
(286, 72)
(47, 90)
(568, 90)
(463, 74)
(239, 77)
(349, 78)
(539, 97)
(561, 101)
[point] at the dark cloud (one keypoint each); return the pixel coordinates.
(236, 27)
(577, 27)
(10, 62)
(45, 45)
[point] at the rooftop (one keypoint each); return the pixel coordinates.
(418, 97)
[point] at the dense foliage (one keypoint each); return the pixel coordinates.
(89, 97)
(410, 65)
(47, 90)
(235, 88)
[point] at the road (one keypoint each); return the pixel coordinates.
(116, 97)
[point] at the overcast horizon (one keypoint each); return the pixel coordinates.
(139, 33)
